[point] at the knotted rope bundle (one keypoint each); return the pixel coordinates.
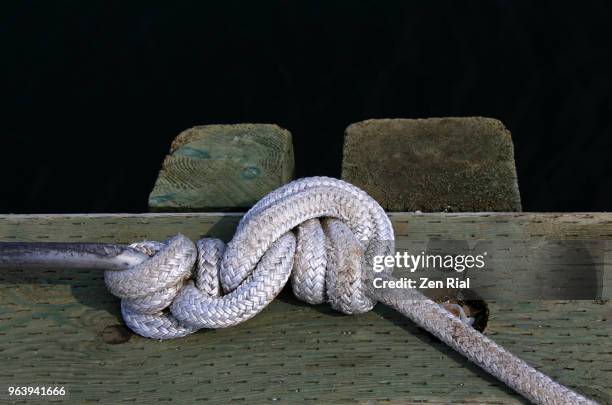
(233, 283)
(320, 233)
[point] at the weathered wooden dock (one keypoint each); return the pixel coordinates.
(63, 328)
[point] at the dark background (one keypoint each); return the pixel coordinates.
(94, 92)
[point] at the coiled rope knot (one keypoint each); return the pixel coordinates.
(317, 231)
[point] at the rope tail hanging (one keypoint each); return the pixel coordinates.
(317, 232)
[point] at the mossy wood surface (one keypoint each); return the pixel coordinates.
(451, 164)
(63, 328)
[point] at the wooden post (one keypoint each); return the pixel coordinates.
(433, 165)
(223, 167)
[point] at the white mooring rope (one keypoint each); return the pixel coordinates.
(319, 232)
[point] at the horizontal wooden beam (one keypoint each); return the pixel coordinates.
(122, 228)
(63, 327)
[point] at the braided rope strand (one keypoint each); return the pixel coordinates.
(534, 385)
(320, 233)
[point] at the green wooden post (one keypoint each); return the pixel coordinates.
(223, 167)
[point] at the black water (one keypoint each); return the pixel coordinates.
(93, 92)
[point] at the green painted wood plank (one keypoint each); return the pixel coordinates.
(64, 328)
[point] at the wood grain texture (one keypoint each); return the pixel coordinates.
(448, 164)
(223, 167)
(64, 328)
